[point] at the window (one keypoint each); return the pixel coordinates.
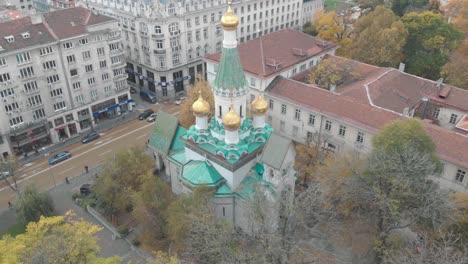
(189, 37)
(73, 72)
(220, 111)
(94, 94)
(116, 59)
(453, 118)
(16, 121)
(157, 30)
(328, 125)
(119, 71)
(89, 68)
(342, 131)
(309, 136)
(175, 58)
(3, 62)
(86, 55)
(59, 106)
(174, 28)
(103, 64)
(218, 30)
(11, 107)
(38, 114)
(4, 77)
(91, 81)
(159, 44)
(311, 120)
(67, 45)
(282, 126)
(46, 50)
(297, 114)
(83, 41)
(295, 130)
(171, 9)
(460, 176)
(23, 57)
(108, 89)
(435, 113)
(205, 19)
(197, 35)
(34, 100)
(197, 21)
(114, 46)
(76, 85)
(283, 109)
(218, 46)
(252, 82)
(27, 72)
(49, 65)
(105, 76)
(56, 92)
(189, 23)
(30, 87)
(269, 119)
(360, 137)
(270, 104)
(101, 51)
(205, 33)
(71, 58)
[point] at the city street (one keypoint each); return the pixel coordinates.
(45, 177)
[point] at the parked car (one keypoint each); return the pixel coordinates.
(152, 117)
(4, 174)
(133, 90)
(145, 114)
(86, 189)
(61, 156)
(90, 137)
(178, 102)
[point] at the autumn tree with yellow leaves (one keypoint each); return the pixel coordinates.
(186, 117)
(335, 28)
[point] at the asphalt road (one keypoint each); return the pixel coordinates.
(45, 177)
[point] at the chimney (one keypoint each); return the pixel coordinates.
(401, 67)
(439, 83)
(333, 88)
(36, 19)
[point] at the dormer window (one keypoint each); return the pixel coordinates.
(25, 35)
(10, 39)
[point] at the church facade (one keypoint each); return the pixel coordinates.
(230, 152)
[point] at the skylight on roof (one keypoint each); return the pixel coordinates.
(25, 35)
(10, 38)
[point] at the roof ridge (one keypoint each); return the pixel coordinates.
(51, 31)
(88, 17)
(262, 56)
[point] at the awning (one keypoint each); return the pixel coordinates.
(113, 107)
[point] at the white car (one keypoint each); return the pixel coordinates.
(178, 102)
(4, 174)
(152, 117)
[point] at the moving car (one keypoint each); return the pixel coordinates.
(90, 137)
(86, 189)
(148, 96)
(133, 90)
(152, 117)
(4, 174)
(178, 102)
(145, 114)
(61, 156)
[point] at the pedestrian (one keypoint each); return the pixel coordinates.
(86, 168)
(66, 180)
(10, 205)
(147, 143)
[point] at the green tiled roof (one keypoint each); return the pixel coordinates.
(275, 151)
(230, 74)
(248, 186)
(200, 173)
(163, 133)
(177, 143)
(223, 191)
(179, 157)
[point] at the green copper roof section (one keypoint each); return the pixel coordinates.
(230, 74)
(179, 157)
(163, 133)
(249, 184)
(177, 143)
(200, 173)
(223, 191)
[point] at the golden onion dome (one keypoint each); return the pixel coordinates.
(229, 19)
(259, 105)
(201, 107)
(231, 120)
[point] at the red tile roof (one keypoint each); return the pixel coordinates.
(73, 21)
(287, 47)
(463, 124)
(38, 34)
(451, 146)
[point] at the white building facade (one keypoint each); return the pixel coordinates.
(165, 40)
(59, 77)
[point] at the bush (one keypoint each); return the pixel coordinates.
(76, 195)
(123, 230)
(136, 242)
(31, 205)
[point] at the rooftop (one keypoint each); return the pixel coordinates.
(272, 53)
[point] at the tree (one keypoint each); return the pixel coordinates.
(31, 205)
(372, 4)
(121, 176)
(164, 258)
(457, 13)
(8, 169)
(328, 73)
(309, 28)
(401, 7)
(186, 117)
(334, 28)
(149, 207)
(379, 38)
(430, 39)
(58, 239)
(455, 72)
(395, 190)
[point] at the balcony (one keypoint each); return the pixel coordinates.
(157, 36)
(160, 51)
(116, 51)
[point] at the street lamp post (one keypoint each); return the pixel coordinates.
(50, 171)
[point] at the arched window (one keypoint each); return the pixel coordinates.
(198, 51)
(143, 27)
(157, 30)
(174, 28)
(207, 47)
(171, 9)
(219, 46)
(195, 5)
(190, 54)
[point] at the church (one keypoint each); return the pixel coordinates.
(229, 152)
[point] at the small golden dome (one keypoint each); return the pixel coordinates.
(231, 120)
(201, 107)
(229, 19)
(259, 105)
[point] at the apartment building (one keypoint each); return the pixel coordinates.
(166, 40)
(59, 73)
(309, 8)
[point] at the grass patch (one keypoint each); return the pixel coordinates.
(17, 229)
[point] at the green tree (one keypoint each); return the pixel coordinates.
(401, 7)
(309, 28)
(334, 28)
(395, 190)
(379, 38)
(329, 73)
(186, 117)
(372, 4)
(31, 205)
(455, 72)
(58, 239)
(430, 39)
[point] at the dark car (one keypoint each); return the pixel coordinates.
(145, 114)
(86, 189)
(61, 156)
(133, 90)
(90, 137)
